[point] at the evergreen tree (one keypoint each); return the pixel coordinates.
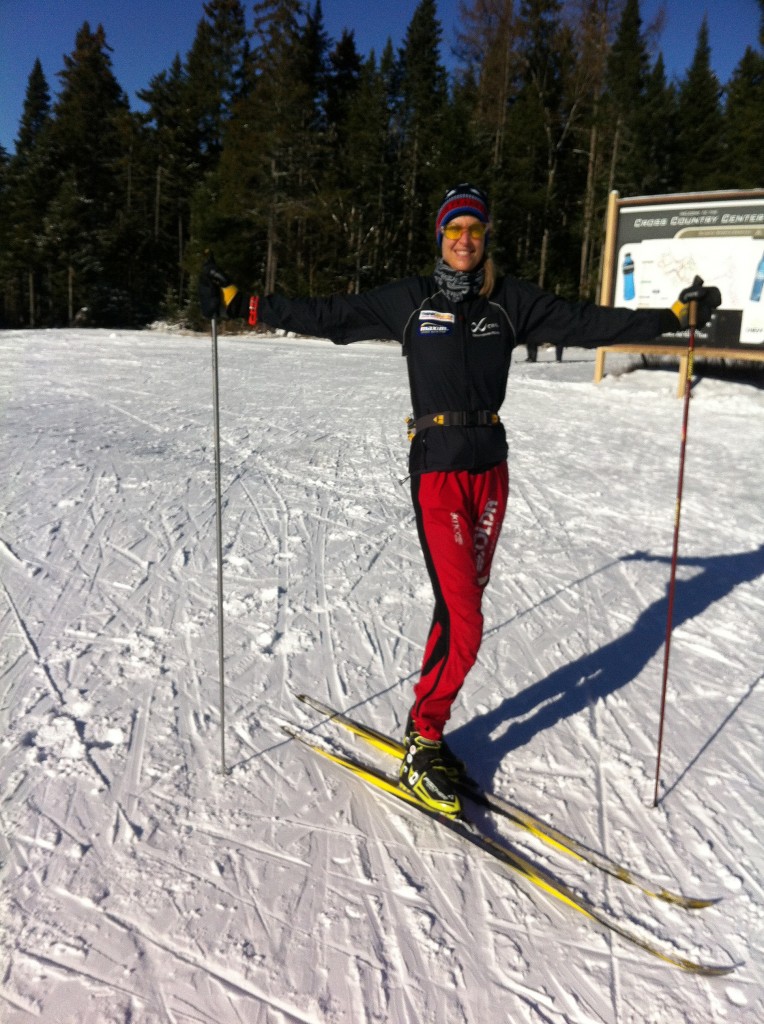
(659, 159)
(8, 293)
(342, 195)
(744, 123)
(392, 227)
(36, 112)
(28, 180)
(541, 126)
(423, 121)
(626, 83)
(89, 262)
(592, 42)
(343, 81)
(215, 74)
(174, 166)
(188, 109)
(368, 212)
(491, 67)
(700, 139)
(314, 238)
(259, 197)
(317, 73)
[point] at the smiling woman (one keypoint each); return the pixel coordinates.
(458, 327)
(464, 243)
(462, 233)
(462, 228)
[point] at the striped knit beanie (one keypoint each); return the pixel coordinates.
(462, 200)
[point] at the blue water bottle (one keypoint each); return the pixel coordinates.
(758, 282)
(628, 277)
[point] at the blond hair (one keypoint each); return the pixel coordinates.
(489, 280)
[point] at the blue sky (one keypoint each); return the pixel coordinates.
(145, 35)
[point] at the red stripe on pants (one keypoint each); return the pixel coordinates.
(459, 517)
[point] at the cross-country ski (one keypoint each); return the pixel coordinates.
(527, 869)
(523, 818)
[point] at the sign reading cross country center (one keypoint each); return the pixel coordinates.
(657, 245)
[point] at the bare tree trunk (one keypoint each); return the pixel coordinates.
(586, 240)
(180, 259)
(157, 199)
(271, 258)
(412, 200)
(358, 253)
(543, 256)
(614, 156)
(130, 179)
(549, 191)
(31, 299)
(70, 293)
(503, 108)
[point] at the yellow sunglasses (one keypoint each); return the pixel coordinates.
(455, 231)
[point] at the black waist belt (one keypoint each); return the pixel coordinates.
(481, 418)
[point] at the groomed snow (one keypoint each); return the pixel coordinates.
(142, 886)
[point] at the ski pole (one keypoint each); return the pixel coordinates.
(692, 322)
(219, 531)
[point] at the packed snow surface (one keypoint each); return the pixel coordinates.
(141, 884)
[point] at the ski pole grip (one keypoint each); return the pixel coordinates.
(691, 296)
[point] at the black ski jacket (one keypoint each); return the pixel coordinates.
(459, 353)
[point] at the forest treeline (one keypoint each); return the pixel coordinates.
(310, 168)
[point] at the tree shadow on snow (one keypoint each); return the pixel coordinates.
(574, 687)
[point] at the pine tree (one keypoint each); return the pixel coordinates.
(342, 195)
(700, 123)
(659, 158)
(189, 107)
(592, 46)
(8, 291)
(174, 167)
(29, 176)
(255, 205)
(367, 215)
(317, 73)
(541, 125)
(314, 234)
(392, 228)
(626, 83)
(36, 112)
(423, 121)
(343, 81)
(215, 73)
(87, 214)
(491, 66)
(744, 123)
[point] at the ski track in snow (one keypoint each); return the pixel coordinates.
(140, 885)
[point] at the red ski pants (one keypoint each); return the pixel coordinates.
(459, 517)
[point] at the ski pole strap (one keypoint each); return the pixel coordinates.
(481, 418)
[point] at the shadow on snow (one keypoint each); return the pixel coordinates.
(574, 687)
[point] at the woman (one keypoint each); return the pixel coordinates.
(458, 328)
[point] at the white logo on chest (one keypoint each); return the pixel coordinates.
(483, 327)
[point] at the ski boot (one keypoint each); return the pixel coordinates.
(424, 773)
(453, 766)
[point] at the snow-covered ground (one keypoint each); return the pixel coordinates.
(141, 885)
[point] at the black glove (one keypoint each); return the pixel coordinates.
(706, 299)
(217, 292)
